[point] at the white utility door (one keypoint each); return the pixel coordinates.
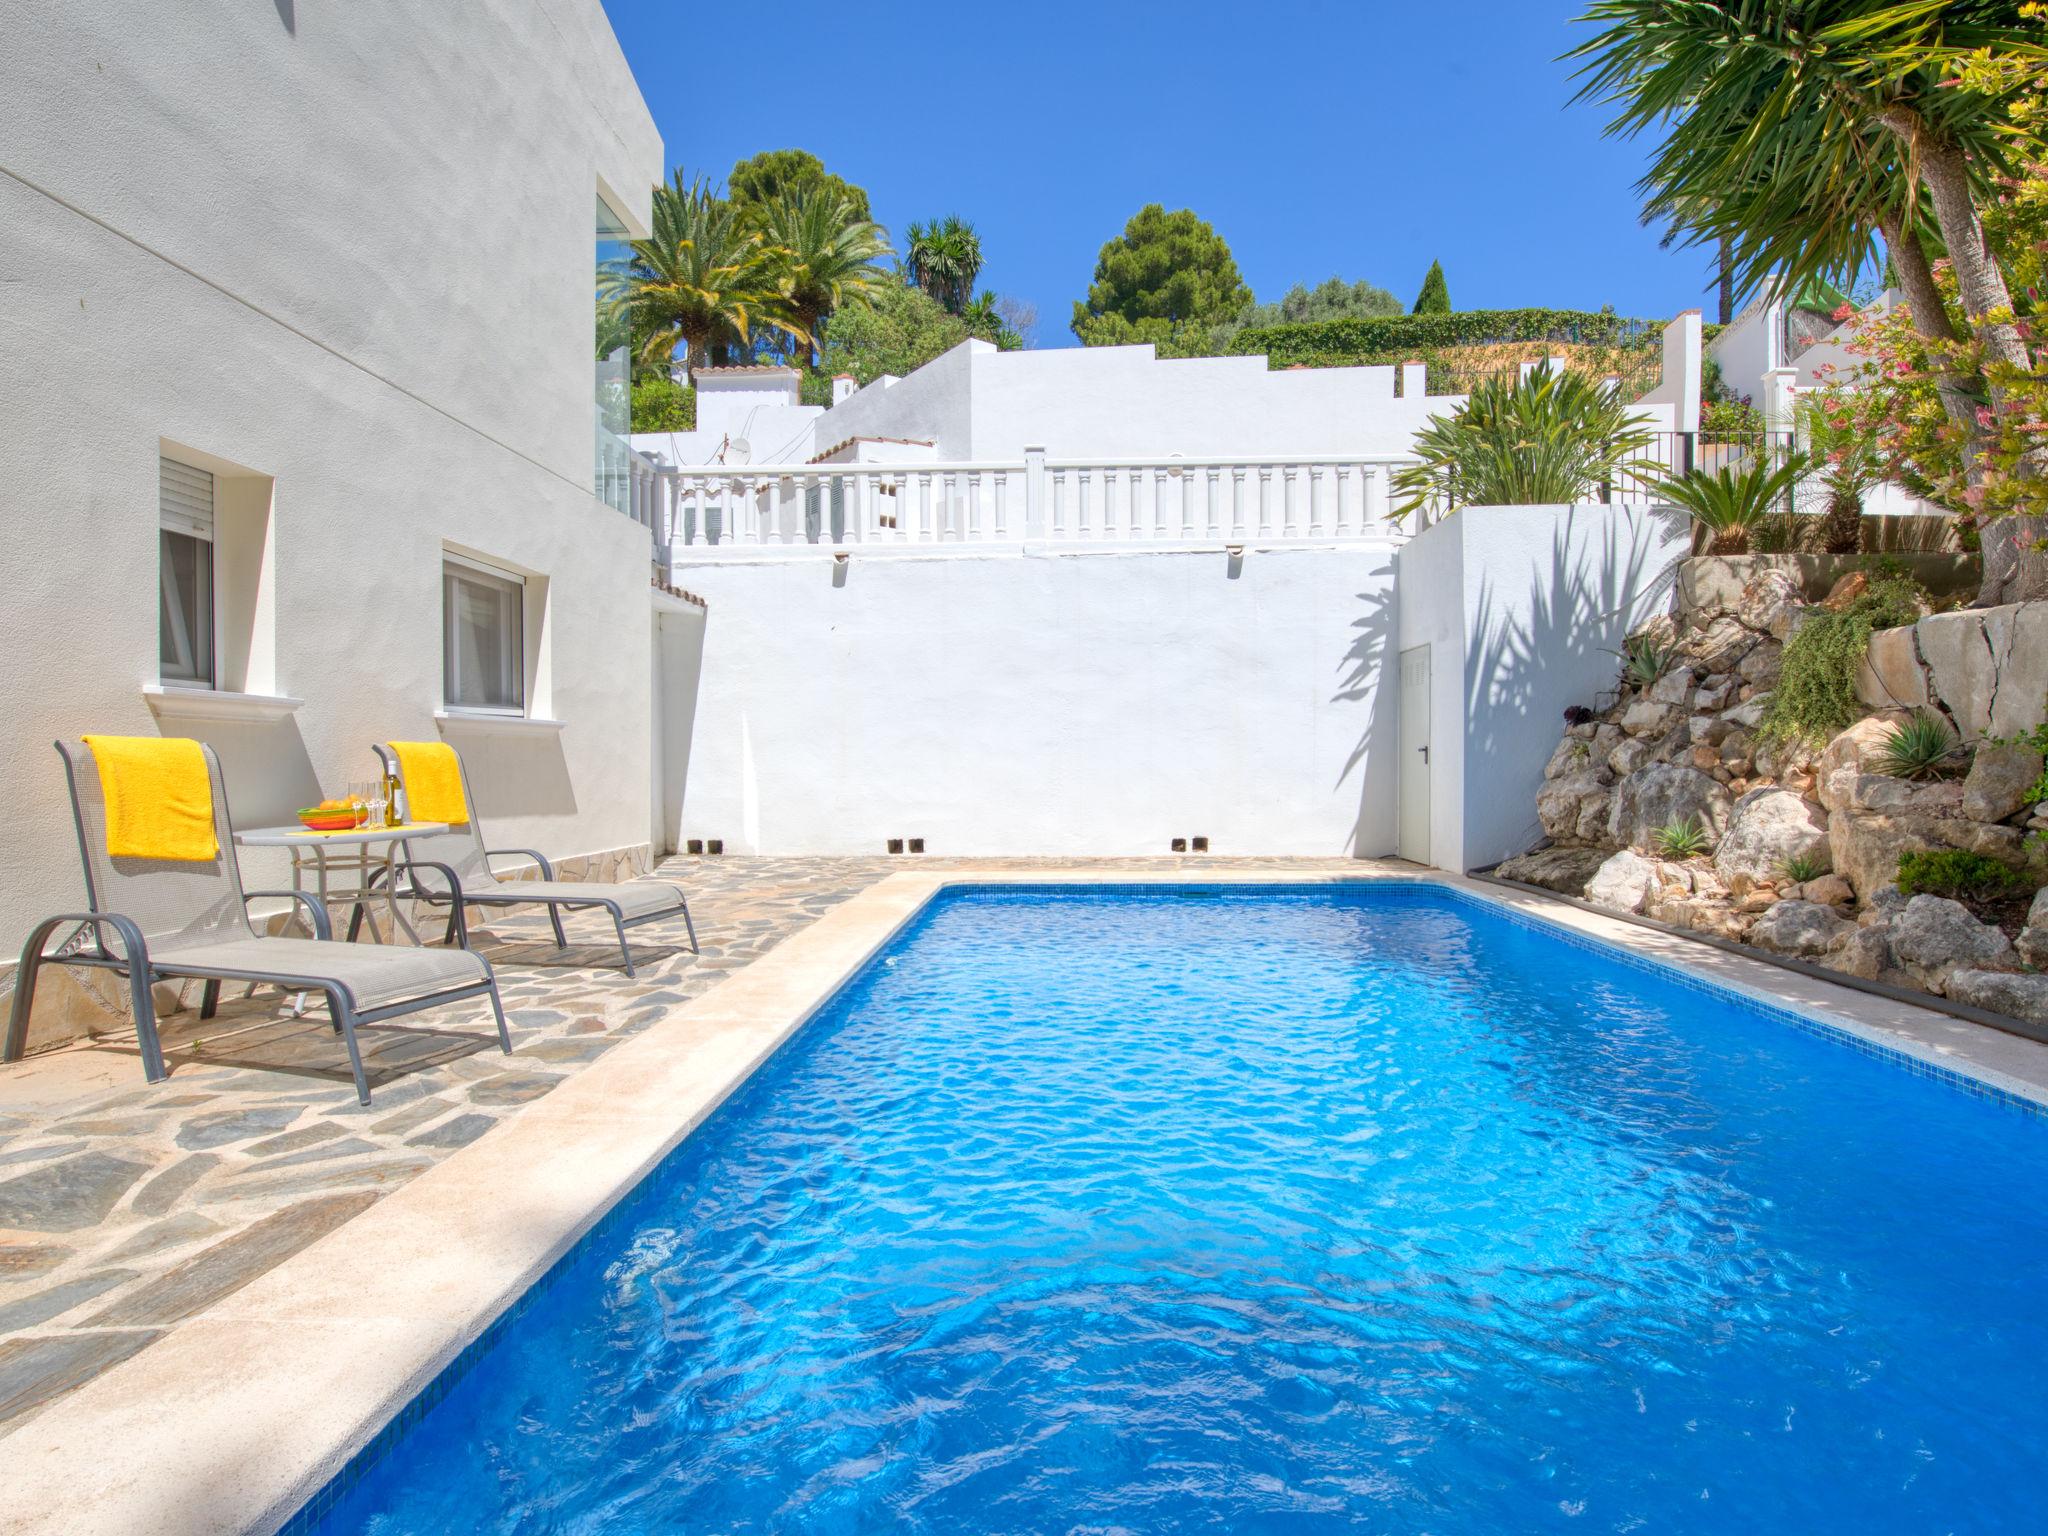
(1413, 839)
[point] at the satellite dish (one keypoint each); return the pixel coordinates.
(739, 451)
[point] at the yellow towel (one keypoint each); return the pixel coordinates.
(159, 797)
(432, 774)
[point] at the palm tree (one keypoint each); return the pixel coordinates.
(944, 260)
(1799, 130)
(705, 281)
(828, 255)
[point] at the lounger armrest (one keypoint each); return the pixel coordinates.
(323, 923)
(547, 870)
(130, 934)
(445, 871)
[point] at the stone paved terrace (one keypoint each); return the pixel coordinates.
(126, 1207)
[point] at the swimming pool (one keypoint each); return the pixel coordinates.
(1296, 1208)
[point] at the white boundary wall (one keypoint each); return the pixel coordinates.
(1522, 608)
(1039, 702)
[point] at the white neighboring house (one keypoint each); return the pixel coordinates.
(286, 475)
(1773, 351)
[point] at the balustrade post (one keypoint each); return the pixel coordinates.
(1037, 511)
(1265, 501)
(1315, 509)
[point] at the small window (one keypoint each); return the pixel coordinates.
(483, 638)
(185, 617)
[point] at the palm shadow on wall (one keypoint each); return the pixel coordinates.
(1524, 668)
(1362, 680)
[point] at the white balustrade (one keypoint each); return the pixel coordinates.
(737, 510)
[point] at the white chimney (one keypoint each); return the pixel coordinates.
(843, 387)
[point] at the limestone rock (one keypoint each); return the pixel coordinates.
(1572, 752)
(1890, 675)
(1559, 802)
(2000, 782)
(1721, 646)
(2011, 993)
(1935, 936)
(1623, 883)
(2033, 940)
(1564, 870)
(1673, 688)
(1767, 828)
(1829, 891)
(1770, 600)
(1851, 752)
(1847, 588)
(1748, 714)
(1627, 756)
(1760, 668)
(1651, 798)
(1714, 695)
(1867, 953)
(1645, 717)
(1591, 826)
(1865, 848)
(1801, 928)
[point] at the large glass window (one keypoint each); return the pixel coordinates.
(184, 612)
(483, 638)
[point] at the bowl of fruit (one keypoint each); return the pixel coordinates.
(333, 816)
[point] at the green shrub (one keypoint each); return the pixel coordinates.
(1643, 659)
(1958, 874)
(1802, 867)
(663, 405)
(1921, 747)
(1323, 343)
(1684, 839)
(1730, 503)
(1536, 441)
(1816, 692)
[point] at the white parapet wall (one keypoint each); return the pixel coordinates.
(1522, 610)
(1035, 701)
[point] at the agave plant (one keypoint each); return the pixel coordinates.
(1730, 503)
(1535, 441)
(1802, 867)
(1644, 659)
(1920, 747)
(1682, 839)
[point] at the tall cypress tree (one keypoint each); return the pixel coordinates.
(1435, 298)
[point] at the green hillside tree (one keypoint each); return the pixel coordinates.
(1164, 266)
(1435, 298)
(775, 174)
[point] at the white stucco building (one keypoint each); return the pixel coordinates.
(296, 408)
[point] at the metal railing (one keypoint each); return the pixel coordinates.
(719, 510)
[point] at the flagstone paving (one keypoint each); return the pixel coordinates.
(126, 1206)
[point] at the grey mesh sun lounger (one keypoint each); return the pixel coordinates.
(196, 918)
(456, 860)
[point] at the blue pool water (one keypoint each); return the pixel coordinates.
(1248, 1210)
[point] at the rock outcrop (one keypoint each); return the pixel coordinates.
(1687, 745)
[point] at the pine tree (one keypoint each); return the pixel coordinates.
(1435, 298)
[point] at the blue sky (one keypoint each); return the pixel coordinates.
(1361, 139)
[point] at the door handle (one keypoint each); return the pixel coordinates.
(1425, 753)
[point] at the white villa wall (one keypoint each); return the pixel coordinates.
(1046, 703)
(1125, 402)
(296, 247)
(1522, 608)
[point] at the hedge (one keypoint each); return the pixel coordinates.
(1324, 343)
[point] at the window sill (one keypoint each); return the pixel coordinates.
(213, 704)
(486, 723)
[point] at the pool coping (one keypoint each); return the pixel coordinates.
(242, 1413)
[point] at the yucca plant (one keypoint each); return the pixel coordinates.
(1644, 659)
(1920, 747)
(1730, 503)
(1684, 838)
(1539, 440)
